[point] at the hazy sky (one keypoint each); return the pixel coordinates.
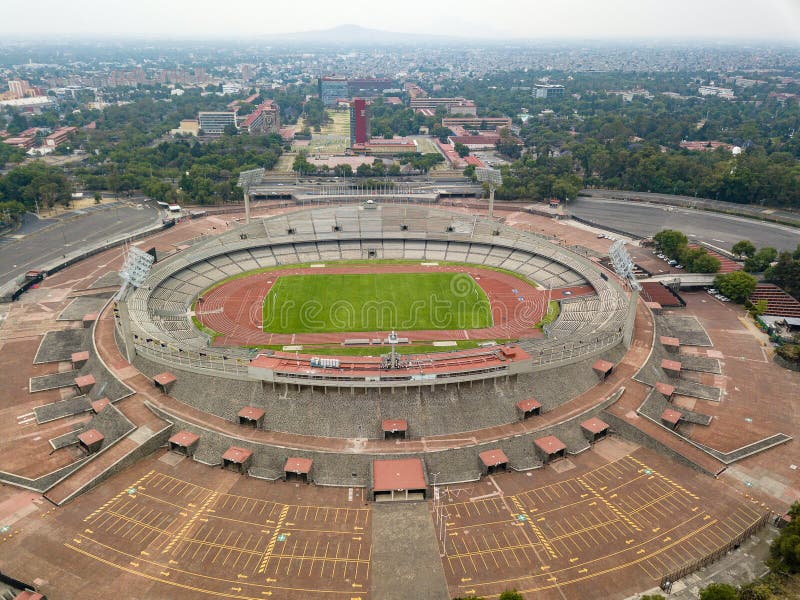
(707, 19)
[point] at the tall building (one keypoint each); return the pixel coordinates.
(215, 122)
(548, 90)
(359, 122)
(18, 87)
(331, 89)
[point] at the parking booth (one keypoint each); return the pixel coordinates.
(398, 479)
(671, 344)
(184, 442)
(250, 416)
(84, 383)
(394, 429)
(79, 359)
(237, 459)
(550, 448)
(603, 368)
(671, 367)
(671, 417)
(297, 469)
(91, 441)
(528, 408)
(164, 381)
(493, 461)
(594, 429)
(666, 390)
(99, 404)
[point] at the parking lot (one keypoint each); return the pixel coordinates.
(193, 538)
(606, 529)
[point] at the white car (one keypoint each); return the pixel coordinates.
(678, 266)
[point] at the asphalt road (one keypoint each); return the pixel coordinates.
(716, 229)
(36, 242)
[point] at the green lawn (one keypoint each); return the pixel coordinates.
(375, 302)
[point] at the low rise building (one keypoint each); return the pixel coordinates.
(266, 118)
(215, 122)
(548, 90)
(59, 136)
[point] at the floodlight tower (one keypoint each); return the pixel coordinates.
(623, 264)
(246, 180)
(133, 274)
(494, 179)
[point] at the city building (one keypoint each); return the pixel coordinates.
(548, 90)
(187, 127)
(31, 104)
(477, 122)
(334, 88)
(18, 88)
(476, 142)
(359, 122)
(231, 88)
(214, 122)
(266, 118)
(331, 89)
(454, 106)
(712, 90)
(385, 147)
(370, 87)
(59, 136)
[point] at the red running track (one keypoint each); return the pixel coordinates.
(234, 309)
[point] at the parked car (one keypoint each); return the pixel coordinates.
(672, 262)
(712, 291)
(678, 266)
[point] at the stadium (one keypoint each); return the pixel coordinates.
(308, 404)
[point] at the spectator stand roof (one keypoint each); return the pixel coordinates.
(594, 425)
(398, 474)
(251, 413)
(550, 444)
(394, 425)
(493, 458)
(237, 455)
(300, 466)
(184, 439)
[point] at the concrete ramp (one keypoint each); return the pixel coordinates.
(405, 555)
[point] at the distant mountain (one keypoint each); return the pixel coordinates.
(354, 35)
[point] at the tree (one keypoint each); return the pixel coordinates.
(301, 164)
(785, 549)
(343, 171)
(511, 595)
(462, 150)
(785, 273)
(738, 285)
(706, 263)
(97, 198)
(718, 591)
(743, 248)
(760, 260)
(670, 241)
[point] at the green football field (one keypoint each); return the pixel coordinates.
(375, 302)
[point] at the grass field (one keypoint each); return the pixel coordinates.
(375, 302)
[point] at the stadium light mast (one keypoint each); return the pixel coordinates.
(623, 264)
(246, 180)
(133, 274)
(494, 179)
